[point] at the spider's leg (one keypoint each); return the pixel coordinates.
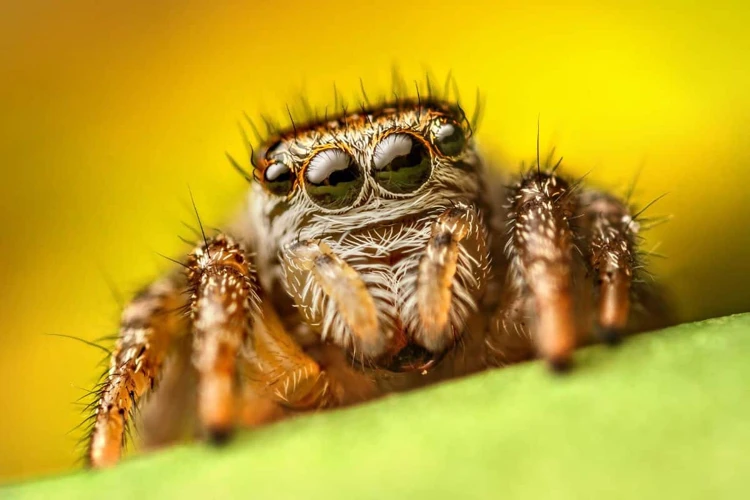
(168, 413)
(540, 274)
(223, 303)
(255, 409)
(509, 338)
(609, 249)
(452, 270)
(148, 325)
(574, 267)
(609, 239)
(277, 369)
(235, 332)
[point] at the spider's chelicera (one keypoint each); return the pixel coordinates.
(378, 252)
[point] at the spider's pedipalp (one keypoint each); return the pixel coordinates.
(148, 325)
(541, 245)
(449, 275)
(224, 298)
(330, 292)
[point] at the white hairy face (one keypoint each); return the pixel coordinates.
(368, 188)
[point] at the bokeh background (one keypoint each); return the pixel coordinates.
(110, 110)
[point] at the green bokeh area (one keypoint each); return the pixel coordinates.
(666, 415)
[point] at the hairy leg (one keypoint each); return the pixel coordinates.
(278, 369)
(574, 268)
(220, 293)
(541, 250)
(224, 301)
(609, 249)
(168, 414)
(148, 325)
(625, 301)
(509, 337)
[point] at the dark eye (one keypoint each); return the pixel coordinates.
(401, 163)
(450, 139)
(277, 178)
(333, 179)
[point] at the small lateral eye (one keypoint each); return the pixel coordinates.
(277, 178)
(401, 163)
(450, 139)
(333, 179)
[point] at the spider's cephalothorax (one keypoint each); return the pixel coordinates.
(372, 224)
(377, 252)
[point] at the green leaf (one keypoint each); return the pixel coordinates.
(665, 415)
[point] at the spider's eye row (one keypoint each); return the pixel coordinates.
(332, 179)
(401, 163)
(450, 139)
(277, 178)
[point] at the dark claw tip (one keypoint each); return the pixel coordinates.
(560, 364)
(219, 436)
(610, 335)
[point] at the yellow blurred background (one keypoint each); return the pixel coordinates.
(111, 109)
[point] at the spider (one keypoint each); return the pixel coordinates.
(378, 252)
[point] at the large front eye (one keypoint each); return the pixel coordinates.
(401, 163)
(332, 179)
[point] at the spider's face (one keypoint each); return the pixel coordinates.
(354, 163)
(368, 186)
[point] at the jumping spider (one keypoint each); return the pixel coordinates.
(378, 252)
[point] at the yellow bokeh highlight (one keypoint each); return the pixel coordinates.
(110, 110)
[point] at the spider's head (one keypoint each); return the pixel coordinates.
(352, 163)
(370, 185)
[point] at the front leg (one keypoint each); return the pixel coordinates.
(238, 335)
(574, 268)
(224, 302)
